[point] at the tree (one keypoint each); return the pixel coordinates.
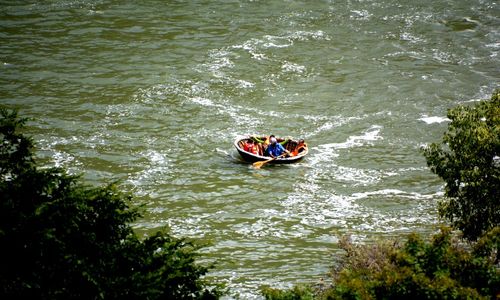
(63, 240)
(443, 268)
(468, 160)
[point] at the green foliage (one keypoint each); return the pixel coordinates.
(468, 160)
(15, 151)
(443, 268)
(298, 292)
(63, 240)
(489, 244)
(440, 269)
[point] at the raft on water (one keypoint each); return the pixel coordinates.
(291, 145)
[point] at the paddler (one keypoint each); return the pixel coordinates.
(275, 149)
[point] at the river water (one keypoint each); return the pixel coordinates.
(152, 94)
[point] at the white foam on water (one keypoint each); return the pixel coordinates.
(400, 210)
(260, 228)
(117, 111)
(256, 46)
(360, 14)
(309, 35)
(245, 84)
(326, 123)
(370, 135)
(400, 171)
(495, 46)
(62, 159)
(398, 55)
(356, 176)
(193, 226)
(320, 209)
(156, 170)
(155, 157)
(293, 68)
(218, 60)
(385, 192)
(326, 153)
(271, 41)
(442, 56)
(252, 47)
(406, 36)
(203, 101)
(241, 115)
(433, 120)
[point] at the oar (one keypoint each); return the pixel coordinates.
(259, 164)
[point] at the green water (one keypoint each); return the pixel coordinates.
(153, 93)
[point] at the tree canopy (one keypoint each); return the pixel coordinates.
(468, 160)
(64, 240)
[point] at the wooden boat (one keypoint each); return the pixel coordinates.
(288, 144)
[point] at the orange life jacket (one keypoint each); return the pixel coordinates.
(298, 149)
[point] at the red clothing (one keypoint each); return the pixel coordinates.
(252, 148)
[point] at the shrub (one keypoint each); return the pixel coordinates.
(298, 292)
(443, 268)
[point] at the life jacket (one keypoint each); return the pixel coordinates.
(299, 149)
(252, 148)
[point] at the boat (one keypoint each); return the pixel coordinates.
(288, 144)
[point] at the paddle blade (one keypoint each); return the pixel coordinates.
(259, 164)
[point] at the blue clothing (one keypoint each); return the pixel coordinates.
(274, 150)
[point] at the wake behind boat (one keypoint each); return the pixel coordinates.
(297, 149)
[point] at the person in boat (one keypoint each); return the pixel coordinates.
(251, 147)
(263, 143)
(301, 146)
(275, 149)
